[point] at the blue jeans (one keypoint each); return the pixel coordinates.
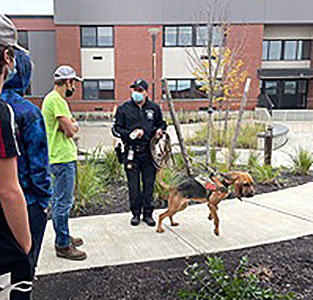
(62, 200)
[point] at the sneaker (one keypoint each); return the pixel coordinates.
(77, 242)
(70, 253)
(149, 220)
(135, 221)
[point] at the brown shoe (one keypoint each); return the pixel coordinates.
(77, 242)
(71, 253)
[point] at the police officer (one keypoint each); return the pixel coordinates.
(136, 122)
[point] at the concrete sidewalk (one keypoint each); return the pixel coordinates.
(110, 240)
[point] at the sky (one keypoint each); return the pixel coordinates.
(26, 7)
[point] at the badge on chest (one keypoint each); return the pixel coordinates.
(149, 114)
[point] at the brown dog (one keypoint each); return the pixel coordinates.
(193, 190)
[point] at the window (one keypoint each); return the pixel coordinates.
(185, 89)
(286, 50)
(290, 50)
(97, 36)
(304, 50)
(105, 36)
(202, 35)
(302, 86)
(290, 87)
(271, 87)
(170, 36)
(275, 50)
(199, 94)
(183, 35)
(106, 89)
(23, 38)
(265, 50)
(98, 89)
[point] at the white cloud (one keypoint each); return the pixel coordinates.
(26, 7)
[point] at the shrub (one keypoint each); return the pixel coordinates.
(89, 185)
(263, 173)
(112, 170)
(247, 138)
(213, 282)
(302, 161)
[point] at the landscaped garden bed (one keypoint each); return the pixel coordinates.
(272, 269)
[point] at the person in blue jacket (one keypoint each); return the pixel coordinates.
(33, 164)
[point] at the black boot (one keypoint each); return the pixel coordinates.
(149, 220)
(135, 221)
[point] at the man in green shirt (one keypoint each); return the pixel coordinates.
(61, 128)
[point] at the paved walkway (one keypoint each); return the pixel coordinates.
(110, 240)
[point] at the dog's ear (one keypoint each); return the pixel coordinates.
(230, 177)
(238, 189)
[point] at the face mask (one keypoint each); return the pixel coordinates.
(11, 73)
(69, 93)
(137, 97)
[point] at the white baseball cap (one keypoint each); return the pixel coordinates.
(66, 72)
(8, 34)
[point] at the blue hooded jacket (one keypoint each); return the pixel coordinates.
(33, 164)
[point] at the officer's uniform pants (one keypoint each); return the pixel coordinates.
(141, 196)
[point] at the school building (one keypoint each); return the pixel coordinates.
(110, 44)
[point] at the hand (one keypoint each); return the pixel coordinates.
(137, 133)
(159, 133)
(140, 133)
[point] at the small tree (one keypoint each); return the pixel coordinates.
(216, 65)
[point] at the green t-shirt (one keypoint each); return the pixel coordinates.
(61, 148)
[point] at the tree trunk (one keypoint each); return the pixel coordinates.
(226, 123)
(177, 129)
(237, 129)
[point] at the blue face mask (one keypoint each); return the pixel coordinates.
(11, 73)
(137, 97)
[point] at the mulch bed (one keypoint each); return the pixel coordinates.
(290, 263)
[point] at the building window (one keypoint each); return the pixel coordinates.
(202, 36)
(183, 35)
(185, 89)
(290, 50)
(98, 89)
(97, 36)
(170, 37)
(286, 49)
(23, 38)
(290, 87)
(275, 48)
(271, 87)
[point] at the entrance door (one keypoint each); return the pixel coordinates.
(286, 94)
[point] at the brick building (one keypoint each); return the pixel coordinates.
(109, 44)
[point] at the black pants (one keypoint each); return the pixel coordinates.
(37, 221)
(12, 257)
(13, 260)
(141, 168)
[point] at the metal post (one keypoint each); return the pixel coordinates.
(153, 66)
(268, 146)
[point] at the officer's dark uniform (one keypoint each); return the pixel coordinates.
(148, 117)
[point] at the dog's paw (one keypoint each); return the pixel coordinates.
(160, 230)
(216, 232)
(174, 224)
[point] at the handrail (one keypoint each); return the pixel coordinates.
(269, 105)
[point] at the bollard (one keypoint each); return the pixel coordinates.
(268, 146)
